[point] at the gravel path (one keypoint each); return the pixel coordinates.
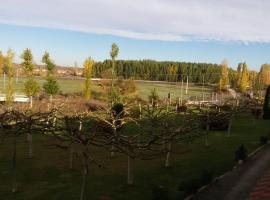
(238, 184)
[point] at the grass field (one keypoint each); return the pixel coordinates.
(46, 176)
(143, 88)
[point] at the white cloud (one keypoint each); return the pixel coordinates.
(169, 20)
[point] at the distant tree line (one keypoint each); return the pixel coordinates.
(161, 70)
(222, 75)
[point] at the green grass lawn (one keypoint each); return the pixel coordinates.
(143, 88)
(46, 176)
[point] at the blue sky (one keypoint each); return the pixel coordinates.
(72, 30)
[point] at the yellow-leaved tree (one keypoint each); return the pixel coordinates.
(1, 63)
(87, 73)
(171, 73)
(264, 75)
(244, 83)
(252, 79)
(224, 79)
(8, 69)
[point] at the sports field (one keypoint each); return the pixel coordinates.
(144, 88)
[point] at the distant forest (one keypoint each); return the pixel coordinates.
(162, 70)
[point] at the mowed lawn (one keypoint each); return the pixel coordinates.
(47, 176)
(68, 86)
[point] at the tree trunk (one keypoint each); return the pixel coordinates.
(14, 166)
(31, 102)
(84, 178)
(140, 108)
(187, 86)
(182, 85)
(51, 99)
(80, 126)
(4, 81)
(129, 173)
(30, 142)
(113, 141)
(168, 155)
(112, 151)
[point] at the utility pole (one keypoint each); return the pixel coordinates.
(17, 75)
(187, 86)
(182, 85)
(4, 81)
(203, 89)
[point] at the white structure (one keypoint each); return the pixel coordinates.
(16, 98)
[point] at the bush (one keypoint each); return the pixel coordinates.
(241, 153)
(189, 187)
(118, 108)
(266, 105)
(181, 108)
(94, 105)
(206, 177)
(256, 112)
(263, 140)
(153, 97)
(135, 112)
(226, 108)
(218, 121)
(160, 193)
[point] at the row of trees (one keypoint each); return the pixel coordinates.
(51, 86)
(31, 86)
(244, 79)
(160, 71)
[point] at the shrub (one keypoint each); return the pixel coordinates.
(206, 177)
(153, 97)
(190, 186)
(118, 108)
(160, 193)
(218, 121)
(135, 112)
(256, 112)
(241, 153)
(181, 108)
(263, 140)
(226, 107)
(266, 105)
(94, 105)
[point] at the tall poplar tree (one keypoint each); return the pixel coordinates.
(9, 71)
(87, 73)
(51, 86)
(264, 75)
(1, 61)
(114, 53)
(224, 80)
(266, 106)
(2, 58)
(239, 74)
(244, 83)
(31, 86)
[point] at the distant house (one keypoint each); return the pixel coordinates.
(40, 70)
(16, 98)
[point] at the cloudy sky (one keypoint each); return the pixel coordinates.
(194, 30)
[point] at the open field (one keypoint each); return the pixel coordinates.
(143, 88)
(46, 176)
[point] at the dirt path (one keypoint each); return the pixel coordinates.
(238, 184)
